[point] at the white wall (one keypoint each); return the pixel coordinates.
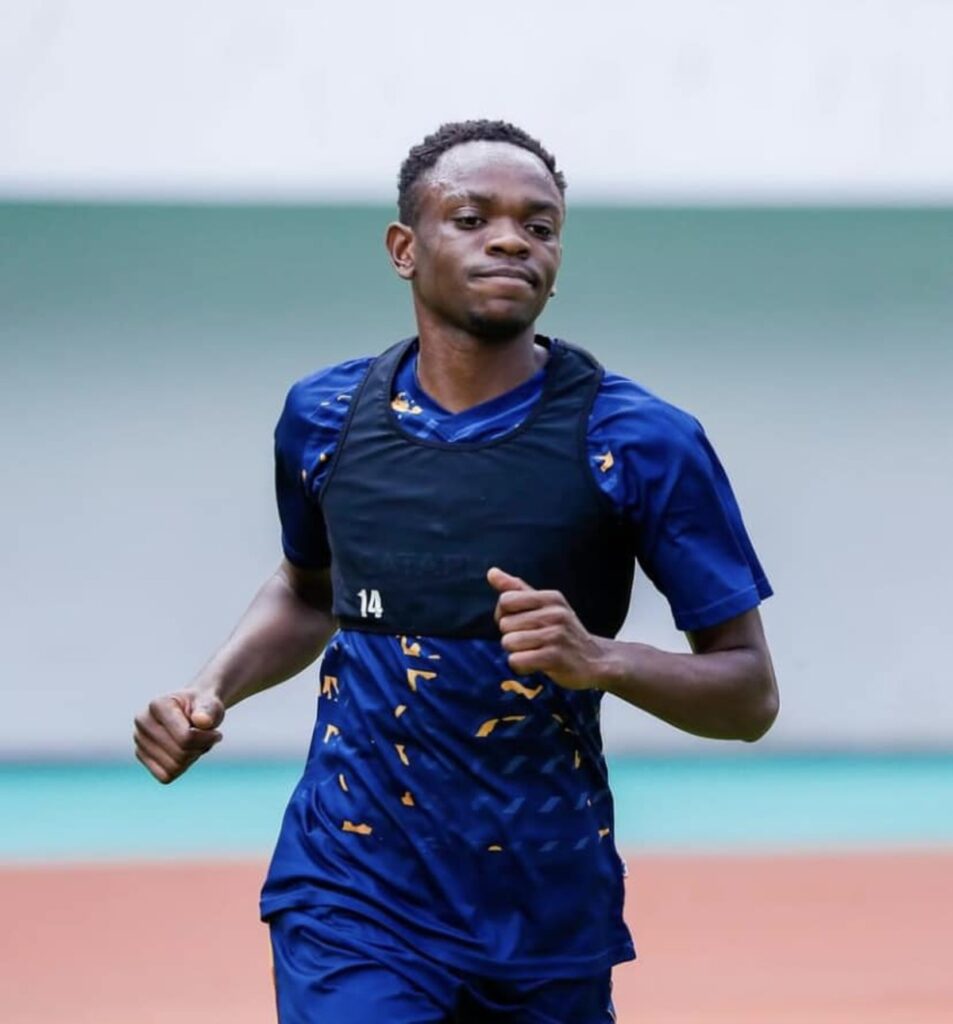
(682, 99)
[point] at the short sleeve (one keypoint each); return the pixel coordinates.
(691, 540)
(305, 437)
(659, 469)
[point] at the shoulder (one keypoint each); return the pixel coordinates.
(630, 414)
(639, 445)
(316, 406)
(326, 387)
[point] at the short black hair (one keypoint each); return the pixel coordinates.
(425, 154)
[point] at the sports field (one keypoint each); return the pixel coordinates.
(762, 889)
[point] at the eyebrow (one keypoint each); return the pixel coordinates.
(488, 199)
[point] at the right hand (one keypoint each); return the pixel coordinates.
(176, 730)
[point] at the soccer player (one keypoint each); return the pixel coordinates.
(461, 517)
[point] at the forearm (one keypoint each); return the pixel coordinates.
(723, 694)
(283, 631)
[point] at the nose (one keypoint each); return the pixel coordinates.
(507, 240)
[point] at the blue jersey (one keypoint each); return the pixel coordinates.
(459, 806)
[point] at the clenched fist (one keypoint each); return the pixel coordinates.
(541, 633)
(176, 730)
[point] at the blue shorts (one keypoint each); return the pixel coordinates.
(330, 970)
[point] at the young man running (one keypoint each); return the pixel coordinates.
(461, 518)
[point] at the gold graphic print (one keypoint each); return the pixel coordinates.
(332, 730)
(342, 782)
(402, 753)
(491, 723)
(512, 686)
(603, 832)
(413, 674)
(407, 799)
(606, 462)
(330, 688)
(399, 710)
(359, 829)
(402, 403)
(494, 849)
(576, 759)
(411, 649)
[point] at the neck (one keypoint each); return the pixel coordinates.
(459, 370)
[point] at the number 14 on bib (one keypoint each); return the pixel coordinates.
(370, 603)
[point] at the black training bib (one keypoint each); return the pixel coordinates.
(415, 523)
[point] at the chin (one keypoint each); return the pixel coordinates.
(497, 328)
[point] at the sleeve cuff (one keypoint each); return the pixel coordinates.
(726, 608)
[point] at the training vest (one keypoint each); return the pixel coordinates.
(414, 523)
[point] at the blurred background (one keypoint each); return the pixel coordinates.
(192, 206)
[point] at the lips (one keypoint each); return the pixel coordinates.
(516, 273)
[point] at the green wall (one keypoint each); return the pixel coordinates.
(145, 353)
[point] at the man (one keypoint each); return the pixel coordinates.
(467, 509)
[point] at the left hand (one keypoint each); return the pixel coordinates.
(541, 633)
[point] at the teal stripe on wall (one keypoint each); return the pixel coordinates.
(145, 352)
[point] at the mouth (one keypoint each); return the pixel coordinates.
(510, 272)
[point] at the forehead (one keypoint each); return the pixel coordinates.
(491, 168)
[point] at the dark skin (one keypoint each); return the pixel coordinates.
(487, 209)
(283, 631)
(481, 257)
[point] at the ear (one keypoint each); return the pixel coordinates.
(400, 247)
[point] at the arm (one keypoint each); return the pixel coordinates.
(725, 689)
(283, 631)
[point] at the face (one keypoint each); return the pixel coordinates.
(485, 248)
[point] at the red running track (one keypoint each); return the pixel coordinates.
(845, 939)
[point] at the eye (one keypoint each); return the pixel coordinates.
(543, 231)
(468, 221)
